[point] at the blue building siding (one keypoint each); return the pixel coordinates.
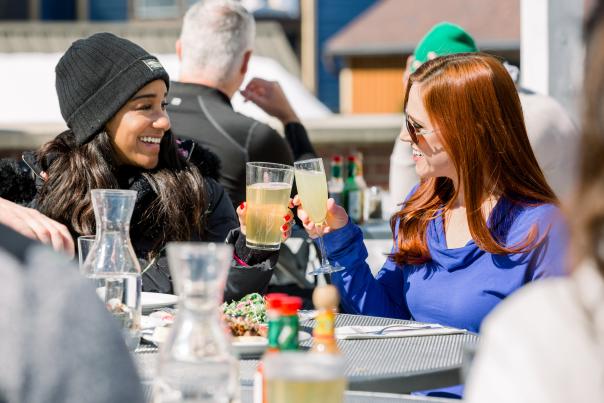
(57, 10)
(332, 16)
(108, 10)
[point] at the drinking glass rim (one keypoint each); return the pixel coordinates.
(310, 160)
(115, 192)
(298, 165)
(272, 165)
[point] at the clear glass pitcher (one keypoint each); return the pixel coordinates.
(196, 363)
(112, 263)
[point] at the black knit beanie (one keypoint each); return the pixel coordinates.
(97, 76)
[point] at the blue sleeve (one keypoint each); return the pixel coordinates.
(550, 258)
(360, 292)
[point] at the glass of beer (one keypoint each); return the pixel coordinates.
(268, 189)
(298, 377)
(312, 189)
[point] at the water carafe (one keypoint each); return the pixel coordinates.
(196, 363)
(112, 263)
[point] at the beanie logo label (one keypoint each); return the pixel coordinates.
(153, 64)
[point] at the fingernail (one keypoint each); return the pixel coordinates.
(284, 227)
(286, 217)
(242, 205)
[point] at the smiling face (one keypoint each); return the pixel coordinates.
(137, 128)
(431, 159)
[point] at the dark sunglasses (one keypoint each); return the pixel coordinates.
(415, 130)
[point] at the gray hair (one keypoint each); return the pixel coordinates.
(215, 35)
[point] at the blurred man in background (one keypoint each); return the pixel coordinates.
(214, 49)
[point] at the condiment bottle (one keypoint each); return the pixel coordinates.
(352, 195)
(326, 300)
(288, 338)
(335, 185)
(275, 324)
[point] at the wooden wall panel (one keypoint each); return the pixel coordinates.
(376, 85)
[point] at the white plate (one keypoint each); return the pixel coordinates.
(255, 345)
(155, 300)
(243, 345)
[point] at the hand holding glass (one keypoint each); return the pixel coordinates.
(312, 190)
(268, 188)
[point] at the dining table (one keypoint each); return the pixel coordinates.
(387, 365)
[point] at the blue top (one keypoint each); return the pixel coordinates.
(457, 287)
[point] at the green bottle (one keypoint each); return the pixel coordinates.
(288, 338)
(352, 194)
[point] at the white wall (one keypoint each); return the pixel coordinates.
(551, 50)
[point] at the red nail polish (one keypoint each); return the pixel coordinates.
(284, 227)
(242, 205)
(286, 217)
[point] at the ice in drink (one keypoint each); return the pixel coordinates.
(304, 391)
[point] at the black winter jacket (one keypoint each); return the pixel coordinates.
(18, 183)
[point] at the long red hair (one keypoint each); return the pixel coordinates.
(473, 103)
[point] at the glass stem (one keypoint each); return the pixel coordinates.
(324, 262)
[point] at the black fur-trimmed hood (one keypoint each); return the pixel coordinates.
(207, 162)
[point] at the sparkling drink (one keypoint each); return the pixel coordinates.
(297, 377)
(266, 206)
(312, 188)
(295, 391)
(119, 292)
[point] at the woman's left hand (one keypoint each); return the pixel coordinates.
(286, 228)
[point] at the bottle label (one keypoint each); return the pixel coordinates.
(288, 337)
(354, 205)
(325, 325)
(275, 325)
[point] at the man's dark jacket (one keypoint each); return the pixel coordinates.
(205, 115)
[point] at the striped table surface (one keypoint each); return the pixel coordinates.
(392, 365)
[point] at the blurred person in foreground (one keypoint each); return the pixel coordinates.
(481, 223)
(59, 342)
(552, 134)
(546, 343)
(119, 138)
(214, 49)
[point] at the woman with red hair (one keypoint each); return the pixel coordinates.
(481, 223)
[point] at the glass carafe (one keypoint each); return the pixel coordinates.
(196, 363)
(112, 263)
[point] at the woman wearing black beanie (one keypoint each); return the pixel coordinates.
(112, 95)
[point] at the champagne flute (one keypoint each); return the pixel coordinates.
(312, 189)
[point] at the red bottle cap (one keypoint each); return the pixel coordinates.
(336, 158)
(351, 158)
(275, 300)
(290, 306)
